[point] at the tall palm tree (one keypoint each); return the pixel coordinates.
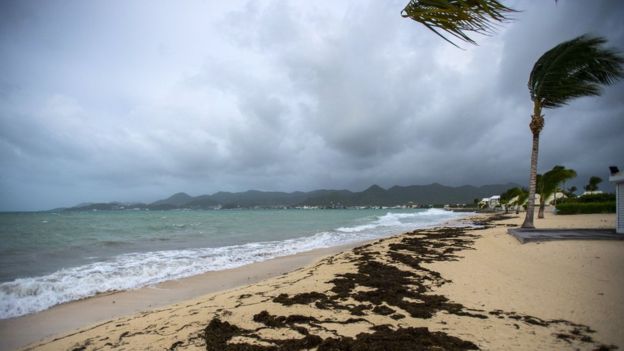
(574, 68)
(456, 17)
(549, 182)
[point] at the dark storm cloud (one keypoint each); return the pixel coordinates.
(104, 101)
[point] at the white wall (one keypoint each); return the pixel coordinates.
(619, 191)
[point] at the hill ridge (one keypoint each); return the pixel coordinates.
(374, 195)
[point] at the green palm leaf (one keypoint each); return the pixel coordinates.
(575, 68)
(457, 17)
(549, 182)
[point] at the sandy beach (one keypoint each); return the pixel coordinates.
(442, 288)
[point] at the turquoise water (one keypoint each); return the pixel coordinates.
(50, 258)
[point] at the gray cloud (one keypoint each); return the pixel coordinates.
(104, 101)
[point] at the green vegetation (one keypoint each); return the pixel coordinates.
(548, 183)
(514, 197)
(593, 203)
(456, 17)
(572, 69)
(590, 198)
(589, 207)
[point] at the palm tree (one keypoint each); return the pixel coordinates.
(593, 183)
(549, 182)
(514, 197)
(572, 69)
(570, 192)
(511, 197)
(456, 17)
(506, 197)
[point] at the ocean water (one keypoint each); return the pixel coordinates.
(51, 258)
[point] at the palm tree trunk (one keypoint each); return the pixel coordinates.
(540, 213)
(536, 125)
(528, 220)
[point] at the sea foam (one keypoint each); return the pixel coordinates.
(128, 271)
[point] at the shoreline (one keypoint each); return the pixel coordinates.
(477, 287)
(55, 276)
(23, 330)
(18, 332)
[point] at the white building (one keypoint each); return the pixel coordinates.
(490, 202)
(617, 177)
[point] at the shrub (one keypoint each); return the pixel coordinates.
(604, 197)
(585, 207)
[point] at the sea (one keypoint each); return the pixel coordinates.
(51, 258)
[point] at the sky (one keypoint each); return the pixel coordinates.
(136, 100)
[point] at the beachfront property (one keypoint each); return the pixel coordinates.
(490, 202)
(552, 198)
(617, 177)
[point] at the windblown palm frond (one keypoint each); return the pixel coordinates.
(457, 17)
(550, 180)
(572, 69)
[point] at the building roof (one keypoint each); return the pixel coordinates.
(617, 178)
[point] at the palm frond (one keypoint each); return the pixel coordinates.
(575, 68)
(549, 182)
(456, 17)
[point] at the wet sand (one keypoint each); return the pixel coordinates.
(445, 287)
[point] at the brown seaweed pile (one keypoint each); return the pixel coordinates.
(217, 334)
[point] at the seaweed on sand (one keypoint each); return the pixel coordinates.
(217, 333)
(391, 286)
(408, 290)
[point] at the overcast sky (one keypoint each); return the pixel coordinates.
(136, 100)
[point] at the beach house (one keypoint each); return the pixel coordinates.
(490, 202)
(617, 177)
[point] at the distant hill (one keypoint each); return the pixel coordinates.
(417, 194)
(373, 196)
(177, 199)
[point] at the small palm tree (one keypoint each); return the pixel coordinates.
(515, 197)
(575, 68)
(456, 17)
(507, 197)
(593, 183)
(549, 182)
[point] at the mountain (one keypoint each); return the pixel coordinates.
(177, 199)
(201, 202)
(417, 194)
(373, 196)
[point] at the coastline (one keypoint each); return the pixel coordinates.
(492, 292)
(67, 316)
(63, 318)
